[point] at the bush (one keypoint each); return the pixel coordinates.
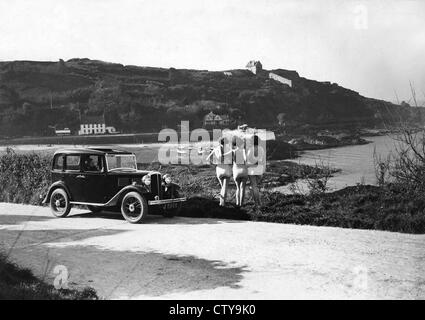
(359, 207)
(315, 177)
(23, 177)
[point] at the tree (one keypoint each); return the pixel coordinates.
(405, 167)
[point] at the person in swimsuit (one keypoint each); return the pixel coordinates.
(223, 168)
(240, 169)
(256, 161)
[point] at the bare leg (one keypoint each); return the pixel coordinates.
(223, 192)
(220, 180)
(237, 191)
(242, 191)
(255, 191)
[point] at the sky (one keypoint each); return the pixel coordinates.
(375, 47)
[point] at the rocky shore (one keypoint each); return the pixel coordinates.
(320, 140)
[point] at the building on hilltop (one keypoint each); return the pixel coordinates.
(254, 66)
(280, 79)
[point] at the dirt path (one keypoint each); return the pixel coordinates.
(213, 259)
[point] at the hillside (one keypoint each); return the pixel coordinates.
(36, 96)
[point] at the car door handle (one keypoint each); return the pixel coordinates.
(80, 176)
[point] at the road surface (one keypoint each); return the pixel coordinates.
(187, 258)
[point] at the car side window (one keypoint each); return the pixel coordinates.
(58, 163)
(92, 163)
(73, 162)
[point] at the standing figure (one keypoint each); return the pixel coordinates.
(223, 168)
(256, 160)
(240, 170)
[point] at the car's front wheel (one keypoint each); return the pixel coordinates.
(134, 207)
(59, 203)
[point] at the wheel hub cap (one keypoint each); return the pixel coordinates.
(57, 203)
(131, 207)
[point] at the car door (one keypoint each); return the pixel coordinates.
(94, 179)
(73, 177)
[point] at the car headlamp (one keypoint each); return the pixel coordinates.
(146, 180)
(167, 179)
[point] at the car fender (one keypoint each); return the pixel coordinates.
(115, 200)
(55, 185)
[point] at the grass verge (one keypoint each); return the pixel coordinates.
(20, 284)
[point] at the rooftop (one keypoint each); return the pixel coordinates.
(86, 119)
(92, 150)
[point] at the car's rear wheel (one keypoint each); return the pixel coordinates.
(134, 207)
(94, 209)
(59, 203)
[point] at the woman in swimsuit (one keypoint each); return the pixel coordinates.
(240, 169)
(223, 168)
(256, 160)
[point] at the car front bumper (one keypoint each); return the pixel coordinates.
(166, 201)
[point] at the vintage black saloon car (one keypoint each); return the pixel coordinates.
(107, 179)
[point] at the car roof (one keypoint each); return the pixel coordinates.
(91, 150)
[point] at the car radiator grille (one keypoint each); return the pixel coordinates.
(156, 185)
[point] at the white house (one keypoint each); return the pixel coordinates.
(212, 119)
(281, 79)
(63, 132)
(254, 66)
(94, 125)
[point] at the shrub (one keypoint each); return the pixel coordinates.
(23, 177)
(315, 178)
(359, 207)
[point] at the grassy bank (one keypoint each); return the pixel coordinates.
(357, 207)
(20, 284)
(24, 177)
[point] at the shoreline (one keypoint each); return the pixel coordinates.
(324, 147)
(25, 145)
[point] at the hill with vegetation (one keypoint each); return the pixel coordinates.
(36, 97)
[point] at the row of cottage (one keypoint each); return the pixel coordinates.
(91, 125)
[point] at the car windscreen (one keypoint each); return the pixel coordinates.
(121, 161)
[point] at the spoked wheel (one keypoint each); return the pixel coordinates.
(59, 203)
(134, 207)
(94, 209)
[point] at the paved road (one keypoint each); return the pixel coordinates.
(210, 258)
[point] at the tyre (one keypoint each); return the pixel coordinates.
(170, 213)
(94, 209)
(59, 203)
(134, 207)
